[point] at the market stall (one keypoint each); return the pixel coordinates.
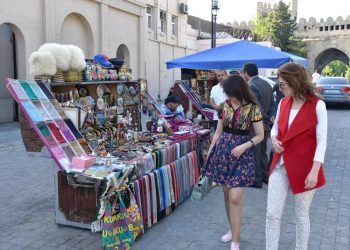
(114, 173)
(234, 56)
(229, 56)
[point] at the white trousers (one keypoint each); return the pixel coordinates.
(276, 198)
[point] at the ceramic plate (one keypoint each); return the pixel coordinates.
(120, 89)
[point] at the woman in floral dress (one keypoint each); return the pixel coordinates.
(231, 160)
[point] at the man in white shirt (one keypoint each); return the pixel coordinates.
(217, 94)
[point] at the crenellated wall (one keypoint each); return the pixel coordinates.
(326, 40)
(331, 26)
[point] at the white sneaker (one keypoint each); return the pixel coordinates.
(227, 237)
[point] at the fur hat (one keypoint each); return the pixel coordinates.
(78, 58)
(61, 53)
(42, 63)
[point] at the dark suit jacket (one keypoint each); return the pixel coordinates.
(279, 94)
(263, 93)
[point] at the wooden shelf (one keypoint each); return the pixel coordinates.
(54, 84)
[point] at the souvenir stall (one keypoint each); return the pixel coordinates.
(229, 56)
(115, 175)
(202, 84)
(197, 91)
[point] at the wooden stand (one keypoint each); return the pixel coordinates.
(76, 203)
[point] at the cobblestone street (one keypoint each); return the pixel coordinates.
(27, 219)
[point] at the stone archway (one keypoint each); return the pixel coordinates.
(124, 54)
(12, 65)
(76, 30)
(328, 56)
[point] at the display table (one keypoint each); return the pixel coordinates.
(128, 181)
(77, 197)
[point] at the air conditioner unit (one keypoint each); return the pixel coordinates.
(183, 8)
(162, 15)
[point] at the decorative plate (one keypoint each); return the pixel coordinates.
(100, 103)
(100, 90)
(120, 89)
(84, 103)
(83, 91)
(132, 90)
(120, 101)
(90, 101)
(109, 99)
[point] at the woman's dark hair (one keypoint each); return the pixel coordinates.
(236, 86)
(297, 79)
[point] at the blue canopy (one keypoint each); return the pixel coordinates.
(235, 55)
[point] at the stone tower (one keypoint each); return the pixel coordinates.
(294, 8)
(263, 9)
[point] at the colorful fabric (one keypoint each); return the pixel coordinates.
(225, 169)
(167, 187)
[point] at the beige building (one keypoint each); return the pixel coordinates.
(145, 33)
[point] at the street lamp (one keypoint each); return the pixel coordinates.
(214, 13)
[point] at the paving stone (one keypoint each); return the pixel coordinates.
(26, 185)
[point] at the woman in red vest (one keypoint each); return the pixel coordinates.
(299, 139)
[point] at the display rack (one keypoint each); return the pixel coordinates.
(196, 100)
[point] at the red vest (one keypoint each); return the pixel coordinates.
(299, 142)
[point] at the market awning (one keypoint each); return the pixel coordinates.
(235, 55)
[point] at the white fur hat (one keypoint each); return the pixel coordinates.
(61, 53)
(42, 63)
(78, 58)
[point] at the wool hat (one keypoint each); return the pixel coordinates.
(103, 60)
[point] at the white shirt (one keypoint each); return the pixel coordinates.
(218, 95)
(315, 77)
(179, 111)
(321, 130)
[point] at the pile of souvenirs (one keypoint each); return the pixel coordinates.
(67, 63)
(101, 68)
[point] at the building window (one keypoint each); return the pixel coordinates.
(149, 18)
(321, 28)
(348, 26)
(337, 27)
(173, 25)
(342, 27)
(326, 28)
(163, 16)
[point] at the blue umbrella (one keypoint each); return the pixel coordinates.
(235, 55)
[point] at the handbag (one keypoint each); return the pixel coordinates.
(202, 187)
(116, 232)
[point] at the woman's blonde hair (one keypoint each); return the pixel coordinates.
(297, 79)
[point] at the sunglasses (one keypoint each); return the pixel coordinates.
(281, 85)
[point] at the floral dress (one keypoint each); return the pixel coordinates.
(222, 167)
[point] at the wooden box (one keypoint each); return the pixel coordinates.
(76, 200)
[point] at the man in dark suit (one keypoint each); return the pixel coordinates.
(263, 93)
